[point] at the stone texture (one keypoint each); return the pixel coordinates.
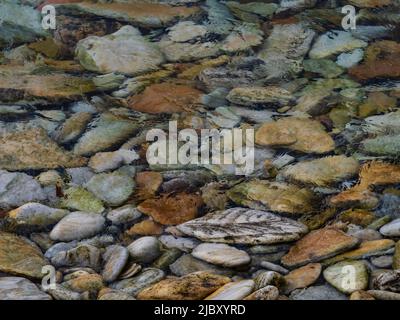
(233, 291)
(302, 277)
(15, 288)
(36, 214)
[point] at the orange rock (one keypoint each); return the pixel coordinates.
(148, 183)
(146, 228)
(318, 245)
(172, 209)
(302, 277)
(165, 98)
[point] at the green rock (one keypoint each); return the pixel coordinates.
(327, 68)
(78, 198)
(382, 146)
(347, 276)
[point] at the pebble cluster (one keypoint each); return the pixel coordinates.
(317, 219)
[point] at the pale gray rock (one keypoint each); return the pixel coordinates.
(115, 258)
(15, 288)
(145, 249)
(324, 292)
(36, 214)
(392, 229)
(124, 214)
(80, 256)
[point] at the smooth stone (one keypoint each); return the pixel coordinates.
(186, 52)
(302, 277)
(115, 258)
(145, 249)
(233, 291)
(266, 293)
(186, 30)
(194, 286)
(392, 229)
(80, 256)
(327, 68)
(351, 59)
(396, 257)
(36, 214)
(113, 188)
(80, 176)
(109, 294)
(125, 51)
(261, 95)
(347, 277)
(187, 264)
(77, 225)
(318, 245)
(384, 295)
(87, 282)
(382, 262)
(15, 288)
(324, 292)
(50, 178)
(131, 270)
(332, 43)
(124, 214)
(136, 284)
(19, 256)
(62, 293)
(183, 244)
(106, 161)
(167, 258)
(73, 127)
(268, 278)
(274, 267)
(221, 254)
(361, 295)
(243, 226)
(78, 198)
(17, 188)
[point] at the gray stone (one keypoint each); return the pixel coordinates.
(15, 288)
(324, 292)
(145, 249)
(115, 259)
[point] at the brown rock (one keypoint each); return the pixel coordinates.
(146, 228)
(147, 184)
(318, 245)
(172, 209)
(361, 295)
(298, 134)
(86, 282)
(266, 293)
(194, 286)
(377, 102)
(165, 98)
(19, 257)
(33, 149)
(357, 216)
(302, 277)
(396, 257)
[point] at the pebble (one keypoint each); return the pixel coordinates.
(233, 291)
(36, 214)
(80, 256)
(124, 214)
(265, 293)
(274, 267)
(115, 258)
(15, 288)
(144, 249)
(322, 292)
(302, 277)
(392, 229)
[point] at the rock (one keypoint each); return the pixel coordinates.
(187, 264)
(73, 127)
(391, 229)
(242, 38)
(297, 134)
(396, 257)
(105, 161)
(138, 13)
(382, 262)
(384, 295)
(109, 294)
(361, 295)
(221, 254)
(167, 258)
(382, 146)
(351, 59)
(62, 293)
(233, 291)
(78, 198)
(243, 226)
(19, 256)
(115, 259)
(81, 256)
(183, 244)
(172, 209)
(50, 178)
(332, 43)
(377, 102)
(77, 225)
(124, 51)
(251, 9)
(370, 3)
(105, 132)
(366, 249)
(327, 68)
(284, 50)
(358, 217)
(33, 149)
(194, 286)
(262, 95)
(113, 188)
(266, 293)
(148, 183)
(165, 98)
(144, 249)
(322, 172)
(302, 277)
(387, 281)
(324, 292)
(274, 196)
(185, 31)
(318, 245)
(124, 214)
(15, 288)
(83, 283)
(273, 267)
(36, 214)
(187, 52)
(146, 228)
(347, 277)
(267, 278)
(80, 176)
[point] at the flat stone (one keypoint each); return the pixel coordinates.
(370, 3)
(115, 258)
(297, 134)
(327, 68)
(347, 276)
(392, 229)
(78, 198)
(172, 209)
(81, 256)
(302, 277)
(87, 282)
(145, 249)
(124, 51)
(233, 291)
(186, 30)
(261, 95)
(15, 288)
(318, 245)
(382, 262)
(113, 188)
(324, 292)
(351, 59)
(243, 226)
(18, 256)
(183, 244)
(77, 225)
(124, 214)
(384, 295)
(33, 149)
(266, 293)
(194, 286)
(396, 257)
(322, 172)
(221, 254)
(332, 43)
(187, 52)
(105, 161)
(36, 214)
(146, 227)
(274, 196)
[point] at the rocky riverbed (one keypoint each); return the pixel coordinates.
(86, 215)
